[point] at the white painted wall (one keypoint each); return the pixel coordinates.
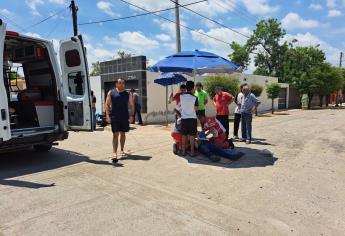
(95, 84)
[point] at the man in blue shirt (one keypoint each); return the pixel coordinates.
(248, 105)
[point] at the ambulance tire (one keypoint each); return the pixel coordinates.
(43, 147)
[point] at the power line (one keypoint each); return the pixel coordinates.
(47, 18)
(214, 21)
(13, 22)
(184, 26)
(137, 15)
(240, 9)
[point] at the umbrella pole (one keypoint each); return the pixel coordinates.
(166, 105)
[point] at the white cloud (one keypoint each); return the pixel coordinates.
(260, 7)
(334, 13)
(225, 35)
(32, 4)
(59, 2)
(209, 8)
(106, 7)
(163, 37)
(308, 39)
(294, 21)
(315, 7)
(6, 12)
(134, 42)
(98, 53)
(213, 8)
(170, 27)
(331, 3)
(32, 34)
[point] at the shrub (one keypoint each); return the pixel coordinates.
(227, 83)
(256, 89)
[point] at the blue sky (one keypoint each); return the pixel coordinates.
(311, 22)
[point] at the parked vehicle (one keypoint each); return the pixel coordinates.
(39, 100)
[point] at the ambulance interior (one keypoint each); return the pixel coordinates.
(30, 85)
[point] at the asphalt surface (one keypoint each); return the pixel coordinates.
(75, 190)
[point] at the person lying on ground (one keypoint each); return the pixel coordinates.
(214, 152)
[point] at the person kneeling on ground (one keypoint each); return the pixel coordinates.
(213, 126)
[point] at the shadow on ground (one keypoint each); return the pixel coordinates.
(27, 162)
(252, 158)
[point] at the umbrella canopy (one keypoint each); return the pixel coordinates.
(195, 62)
(167, 79)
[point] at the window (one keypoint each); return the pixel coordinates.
(72, 58)
(76, 83)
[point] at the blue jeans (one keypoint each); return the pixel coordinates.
(209, 149)
(94, 120)
(246, 121)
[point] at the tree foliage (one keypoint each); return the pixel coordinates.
(266, 44)
(240, 55)
(122, 55)
(227, 83)
(273, 91)
(96, 68)
(256, 89)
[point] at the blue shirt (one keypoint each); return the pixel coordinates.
(248, 102)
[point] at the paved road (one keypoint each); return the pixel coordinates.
(74, 190)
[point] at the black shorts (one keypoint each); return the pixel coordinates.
(119, 125)
(200, 113)
(189, 127)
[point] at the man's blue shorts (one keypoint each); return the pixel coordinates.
(119, 125)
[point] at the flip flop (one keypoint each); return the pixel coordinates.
(114, 159)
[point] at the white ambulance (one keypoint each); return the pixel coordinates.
(41, 99)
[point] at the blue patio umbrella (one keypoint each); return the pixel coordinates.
(167, 79)
(195, 62)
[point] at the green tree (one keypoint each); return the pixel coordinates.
(96, 68)
(329, 79)
(227, 83)
(240, 55)
(301, 69)
(122, 55)
(267, 44)
(273, 91)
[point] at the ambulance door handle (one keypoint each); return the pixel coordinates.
(3, 114)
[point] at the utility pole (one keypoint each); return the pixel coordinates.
(178, 32)
(74, 10)
(341, 59)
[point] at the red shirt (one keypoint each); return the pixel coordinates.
(213, 122)
(177, 98)
(222, 102)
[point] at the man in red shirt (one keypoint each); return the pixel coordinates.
(222, 101)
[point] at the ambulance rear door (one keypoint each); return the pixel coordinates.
(5, 131)
(76, 84)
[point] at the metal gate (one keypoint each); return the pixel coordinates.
(282, 98)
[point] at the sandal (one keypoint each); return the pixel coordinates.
(114, 159)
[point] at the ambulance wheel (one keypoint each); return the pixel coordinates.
(175, 149)
(43, 147)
